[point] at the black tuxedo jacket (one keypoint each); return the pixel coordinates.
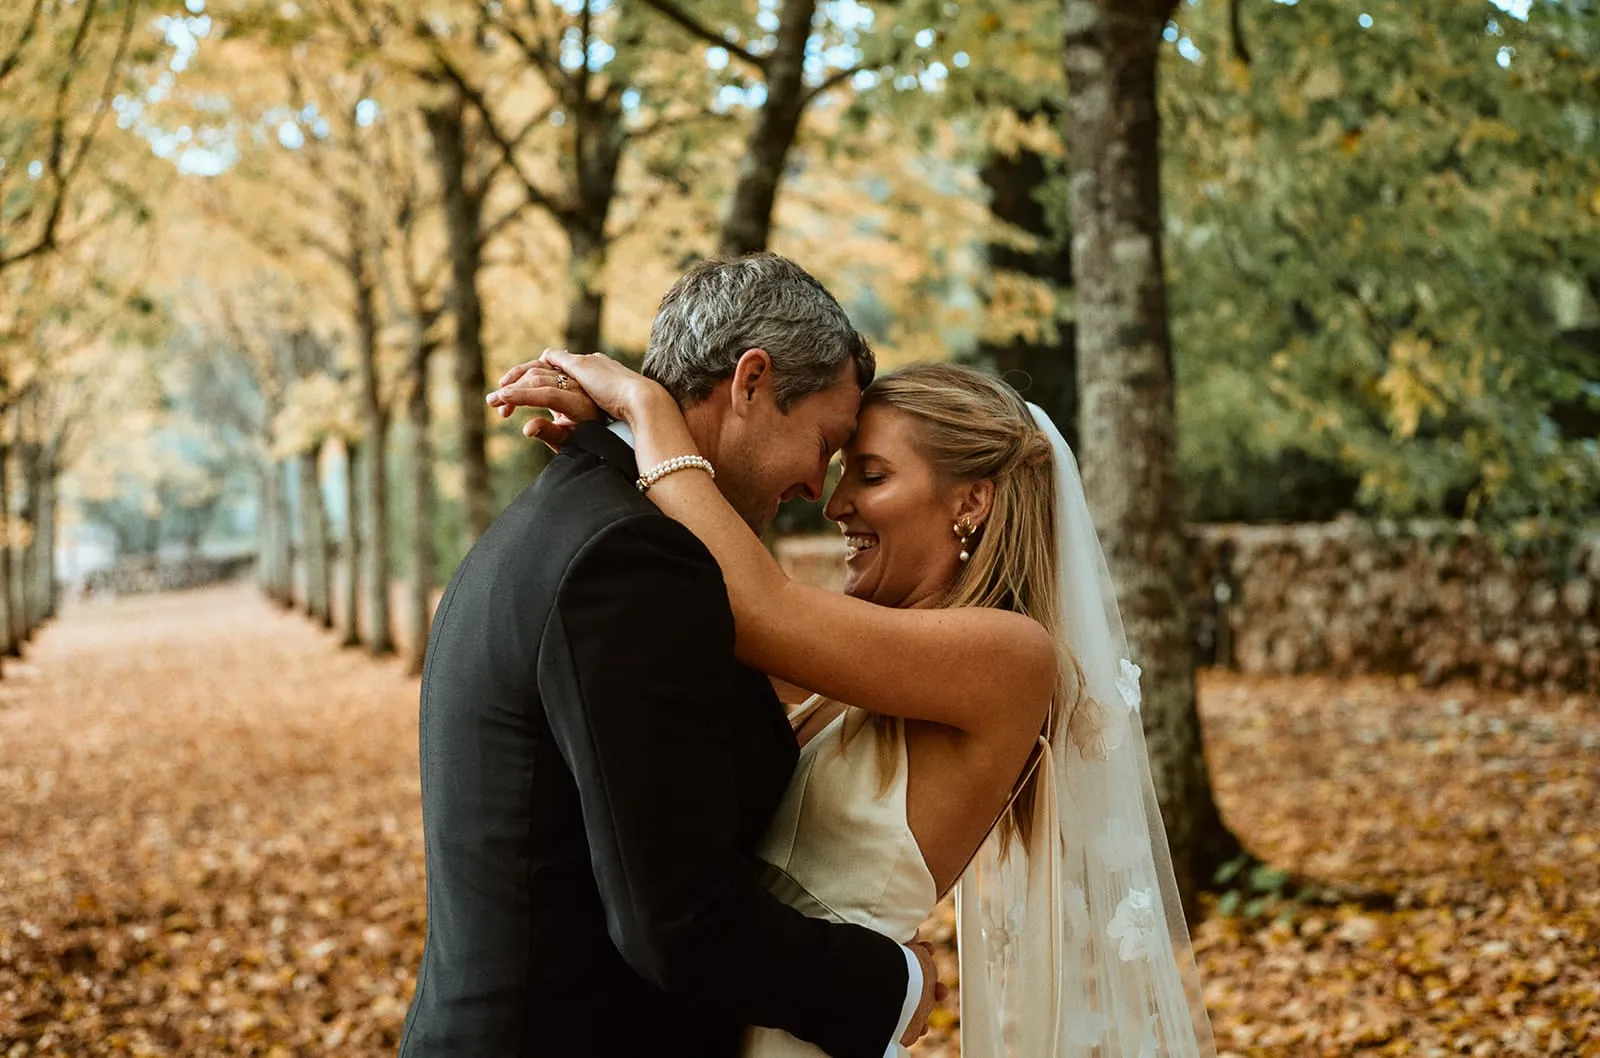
(596, 772)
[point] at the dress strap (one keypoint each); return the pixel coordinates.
(804, 710)
(1041, 754)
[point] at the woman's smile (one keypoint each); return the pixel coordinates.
(858, 544)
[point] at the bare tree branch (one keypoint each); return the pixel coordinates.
(270, 242)
(901, 49)
(662, 124)
(508, 145)
(14, 56)
(62, 175)
(580, 113)
(687, 22)
(501, 223)
(537, 52)
(1241, 51)
(486, 169)
(314, 150)
(646, 208)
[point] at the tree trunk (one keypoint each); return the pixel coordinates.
(268, 530)
(352, 545)
(27, 576)
(747, 226)
(599, 153)
(463, 211)
(422, 549)
(264, 532)
(586, 297)
(587, 241)
(11, 641)
(277, 542)
(380, 630)
(8, 642)
(314, 538)
(285, 553)
(1125, 382)
(1045, 370)
(380, 622)
(304, 485)
(48, 590)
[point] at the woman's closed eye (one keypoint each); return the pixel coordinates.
(867, 470)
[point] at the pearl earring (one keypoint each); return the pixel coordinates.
(964, 531)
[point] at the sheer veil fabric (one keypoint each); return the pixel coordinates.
(1075, 945)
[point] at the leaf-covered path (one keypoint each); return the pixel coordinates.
(210, 844)
(212, 835)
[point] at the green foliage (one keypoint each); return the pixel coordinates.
(1371, 230)
(1250, 888)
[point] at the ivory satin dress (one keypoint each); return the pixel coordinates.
(840, 847)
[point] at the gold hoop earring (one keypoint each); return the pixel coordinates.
(964, 531)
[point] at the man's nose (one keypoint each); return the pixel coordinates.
(818, 481)
(838, 504)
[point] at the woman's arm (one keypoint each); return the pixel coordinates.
(970, 668)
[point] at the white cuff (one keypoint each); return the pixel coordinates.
(913, 1000)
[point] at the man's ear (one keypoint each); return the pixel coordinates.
(975, 502)
(751, 375)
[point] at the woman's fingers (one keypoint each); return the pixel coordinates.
(538, 377)
(580, 365)
(535, 374)
(517, 372)
(607, 382)
(570, 402)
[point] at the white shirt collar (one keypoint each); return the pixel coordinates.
(622, 430)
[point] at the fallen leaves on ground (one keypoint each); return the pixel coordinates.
(212, 845)
(1479, 810)
(211, 828)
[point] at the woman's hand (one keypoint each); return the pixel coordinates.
(577, 389)
(536, 384)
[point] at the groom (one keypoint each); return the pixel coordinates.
(596, 766)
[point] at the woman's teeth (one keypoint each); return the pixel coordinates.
(857, 544)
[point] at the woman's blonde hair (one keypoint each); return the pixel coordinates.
(971, 426)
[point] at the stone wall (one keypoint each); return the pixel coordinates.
(135, 576)
(1438, 601)
(1349, 597)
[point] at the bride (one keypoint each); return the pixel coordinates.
(967, 528)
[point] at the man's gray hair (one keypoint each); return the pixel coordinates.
(723, 307)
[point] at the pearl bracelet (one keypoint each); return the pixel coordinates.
(661, 470)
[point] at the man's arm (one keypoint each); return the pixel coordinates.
(633, 670)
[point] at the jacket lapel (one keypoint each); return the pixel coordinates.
(598, 441)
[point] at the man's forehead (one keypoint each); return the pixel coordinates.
(846, 425)
(845, 409)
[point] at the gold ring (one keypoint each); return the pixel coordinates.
(561, 381)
